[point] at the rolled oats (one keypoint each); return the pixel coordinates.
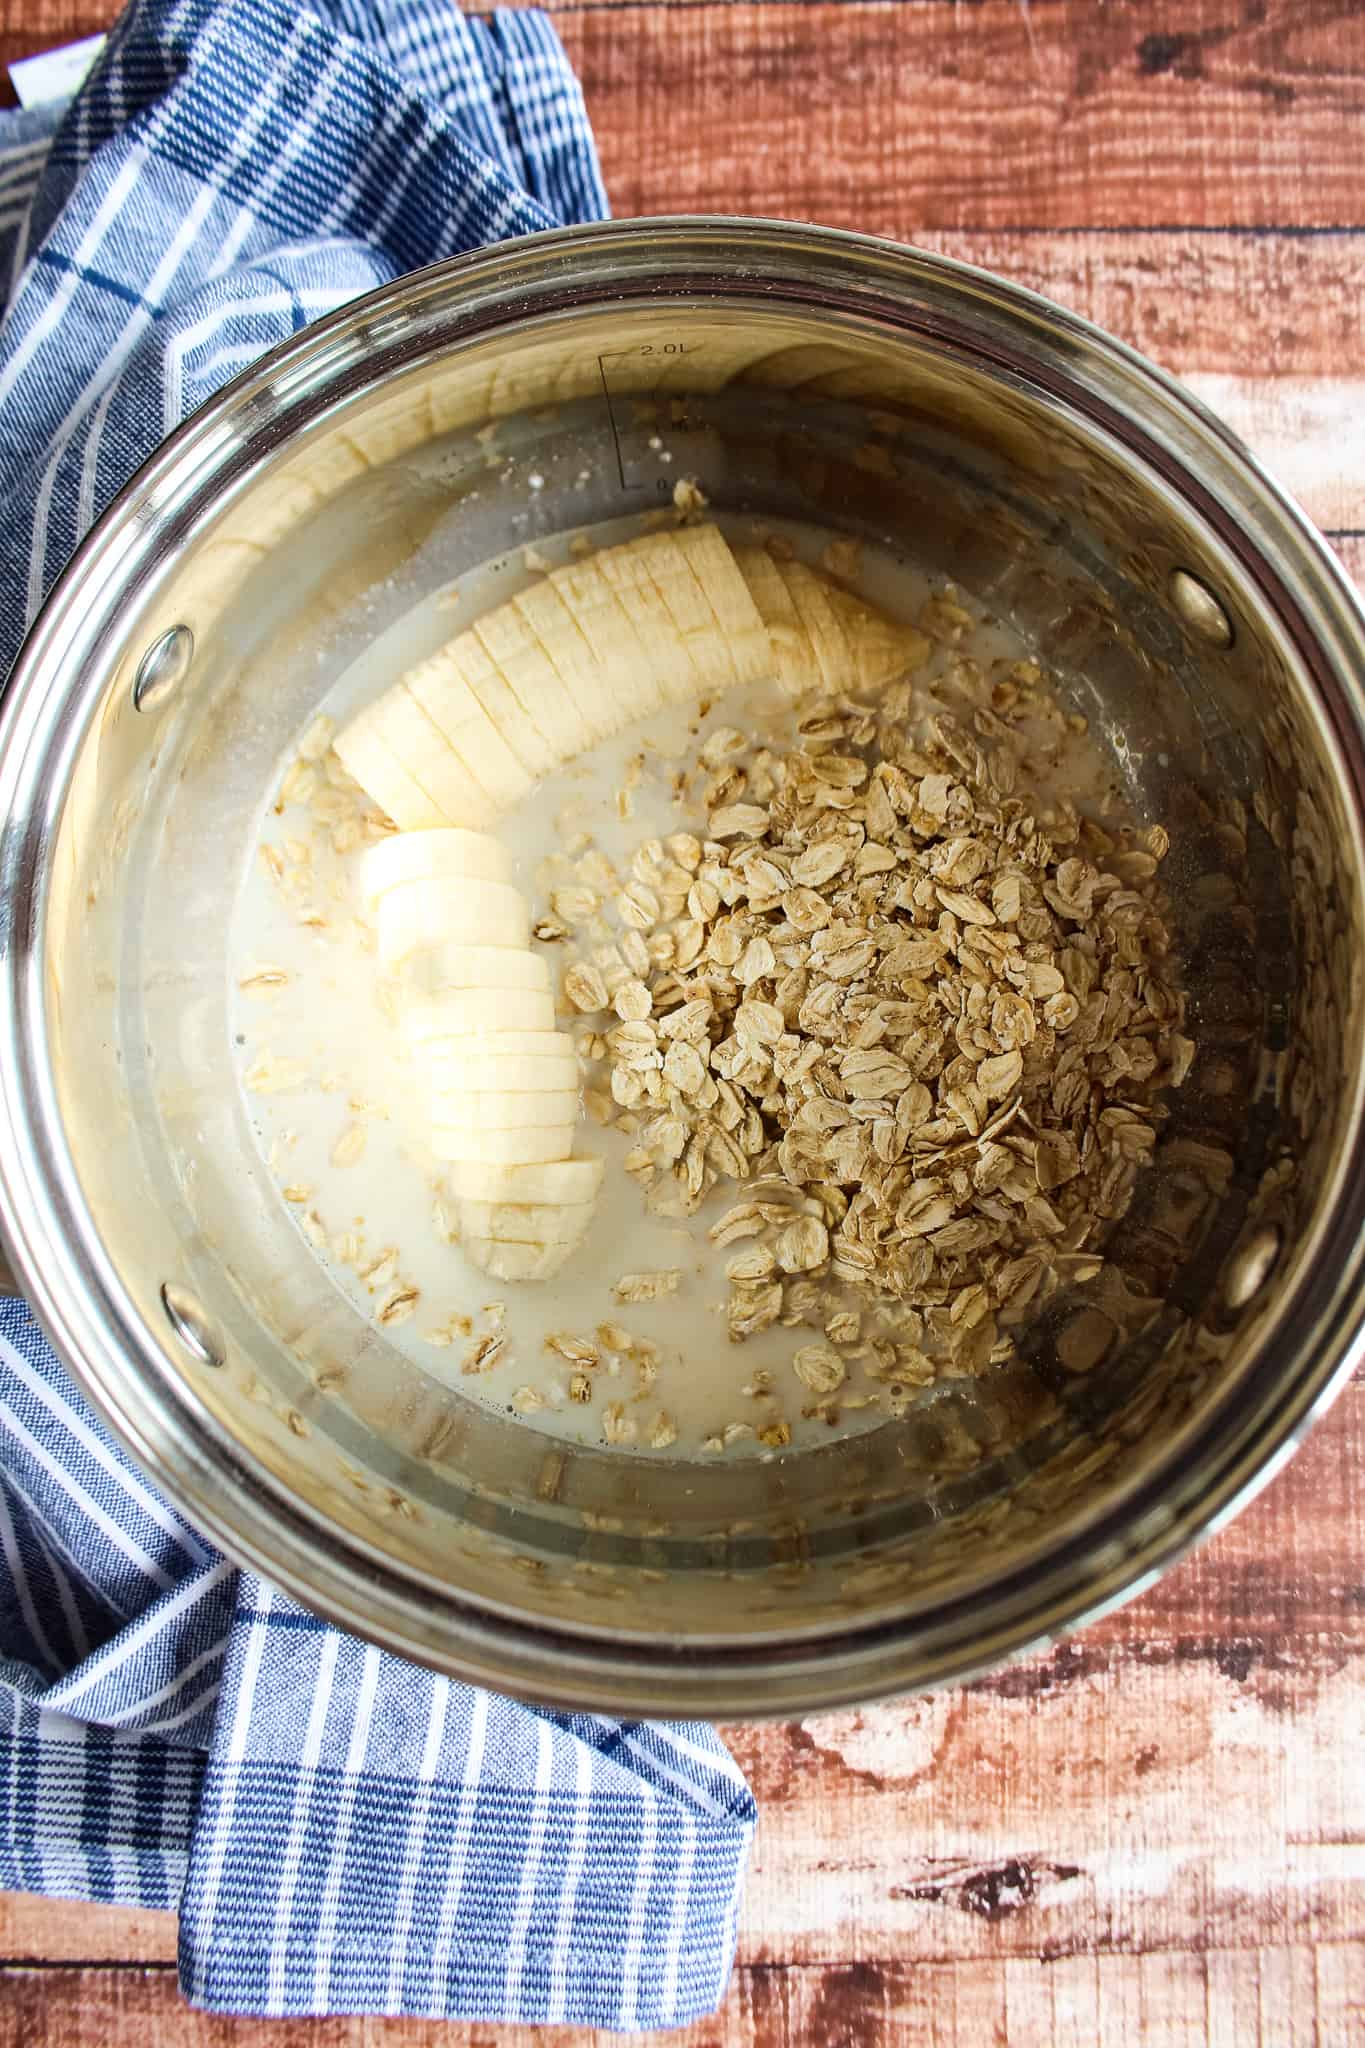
(919, 1012)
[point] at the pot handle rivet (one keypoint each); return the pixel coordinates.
(192, 1325)
(1250, 1267)
(163, 668)
(1202, 612)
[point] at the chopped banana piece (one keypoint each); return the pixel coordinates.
(737, 617)
(476, 913)
(818, 620)
(671, 666)
(440, 687)
(501, 1107)
(503, 707)
(794, 659)
(555, 627)
(625, 659)
(708, 652)
(473, 1072)
(879, 649)
(515, 1043)
(529, 1145)
(528, 1222)
(444, 852)
(596, 645)
(534, 680)
(462, 1013)
(411, 738)
(516, 1261)
(454, 964)
(381, 775)
(571, 1182)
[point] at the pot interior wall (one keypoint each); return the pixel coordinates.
(961, 467)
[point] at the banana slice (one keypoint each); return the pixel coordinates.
(464, 1012)
(475, 1070)
(528, 1222)
(514, 1043)
(439, 686)
(810, 596)
(627, 665)
(820, 636)
(880, 650)
(444, 853)
(530, 1145)
(453, 965)
(626, 571)
(711, 665)
(500, 1107)
(473, 912)
(534, 680)
(793, 658)
(381, 775)
(712, 562)
(516, 1261)
(570, 1183)
(411, 738)
(554, 626)
(501, 705)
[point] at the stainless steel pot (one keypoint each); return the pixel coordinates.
(1192, 613)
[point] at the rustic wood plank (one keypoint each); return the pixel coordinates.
(1288, 1997)
(1210, 302)
(41, 1930)
(932, 115)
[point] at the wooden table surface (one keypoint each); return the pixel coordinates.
(1156, 1834)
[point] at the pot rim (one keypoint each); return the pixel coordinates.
(1116, 1551)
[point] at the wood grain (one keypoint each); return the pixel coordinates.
(1289, 1995)
(933, 114)
(1152, 1836)
(929, 115)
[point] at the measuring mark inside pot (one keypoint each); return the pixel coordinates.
(668, 351)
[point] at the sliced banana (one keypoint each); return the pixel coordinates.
(738, 621)
(568, 1182)
(500, 702)
(501, 1107)
(516, 1261)
(464, 1012)
(529, 1145)
(627, 573)
(819, 635)
(404, 727)
(793, 658)
(446, 852)
(473, 912)
(528, 1222)
(558, 632)
(595, 645)
(382, 776)
(627, 665)
(711, 664)
(879, 649)
(547, 1088)
(455, 965)
(512, 1043)
(439, 686)
(534, 680)
(810, 596)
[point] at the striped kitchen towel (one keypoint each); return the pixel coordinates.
(340, 1831)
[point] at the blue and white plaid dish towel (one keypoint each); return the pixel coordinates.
(340, 1831)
